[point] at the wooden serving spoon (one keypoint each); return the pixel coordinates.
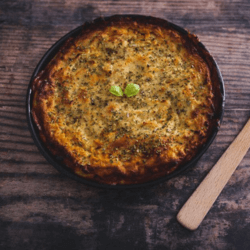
(198, 205)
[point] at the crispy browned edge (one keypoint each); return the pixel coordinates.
(111, 175)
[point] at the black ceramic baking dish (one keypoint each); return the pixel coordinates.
(56, 161)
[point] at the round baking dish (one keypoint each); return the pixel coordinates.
(57, 161)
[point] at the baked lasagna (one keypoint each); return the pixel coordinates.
(119, 139)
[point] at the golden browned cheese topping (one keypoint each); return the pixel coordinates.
(119, 139)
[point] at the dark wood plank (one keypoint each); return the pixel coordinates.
(42, 209)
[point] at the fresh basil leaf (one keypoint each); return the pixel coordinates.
(131, 89)
(116, 90)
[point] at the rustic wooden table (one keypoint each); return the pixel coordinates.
(42, 209)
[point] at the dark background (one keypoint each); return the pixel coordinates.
(42, 209)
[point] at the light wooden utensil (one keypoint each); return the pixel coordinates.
(198, 205)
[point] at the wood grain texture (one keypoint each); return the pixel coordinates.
(42, 209)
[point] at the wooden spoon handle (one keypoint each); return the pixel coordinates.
(198, 205)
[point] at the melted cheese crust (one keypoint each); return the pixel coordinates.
(121, 140)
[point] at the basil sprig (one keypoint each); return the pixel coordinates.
(131, 90)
